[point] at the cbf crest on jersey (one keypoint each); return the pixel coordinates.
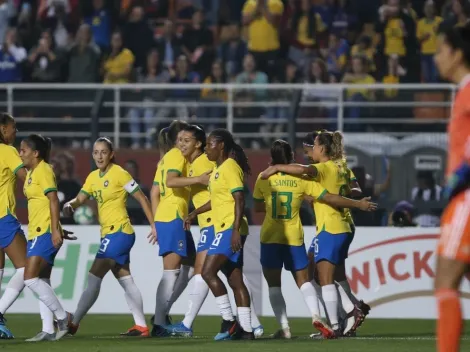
(30, 180)
(190, 173)
(216, 175)
(106, 183)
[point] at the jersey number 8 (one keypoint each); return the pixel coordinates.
(217, 239)
(284, 200)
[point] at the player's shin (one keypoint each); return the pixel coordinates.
(254, 318)
(46, 294)
(88, 298)
(330, 296)
(449, 322)
(311, 299)
(12, 291)
(279, 306)
(196, 300)
(184, 276)
(164, 292)
(47, 317)
(134, 299)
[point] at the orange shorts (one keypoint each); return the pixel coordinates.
(454, 242)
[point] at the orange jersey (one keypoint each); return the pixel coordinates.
(459, 129)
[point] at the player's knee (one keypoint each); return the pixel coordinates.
(449, 273)
(207, 274)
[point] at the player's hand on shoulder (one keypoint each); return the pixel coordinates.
(367, 205)
(268, 172)
(204, 178)
(68, 235)
(152, 237)
(68, 209)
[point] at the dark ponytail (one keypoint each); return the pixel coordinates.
(198, 133)
(5, 119)
(175, 127)
(232, 149)
(333, 143)
(43, 145)
(281, 153)
(109, 144)
(164, 143)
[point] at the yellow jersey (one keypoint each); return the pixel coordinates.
(110, 191)
(173, 201)
(199, 193)
(302, 30)
(10, 163)
(369, 53)
(395, 37)
(428, 27)
(118, 64)
(366, 93)
(334, 177)
(39, 182)
(262, 35)
(283, 195)
(225, 180)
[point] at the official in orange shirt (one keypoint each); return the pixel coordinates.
(453, 61)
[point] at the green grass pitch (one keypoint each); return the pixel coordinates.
(100, 333)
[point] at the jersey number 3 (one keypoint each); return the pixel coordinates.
(281, 205)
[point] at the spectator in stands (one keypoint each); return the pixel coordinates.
(214, 96)
(365, 48)
(344, 21)
(45, 60)
(138, 36)
(7, 11)
(359, 75)
(118, 66)
(233, 51)
(426, 191)
(394, 73)
(156, 73)
(12, 58)
(337, 54)
(136, 214)
(56, 20)
(459, 14)
(198, 44)
(306, 26)
(84, 58)
(27, 33)
(100, 22)
(251, 75)
(262, 18)
(426, 34)
(169, 46)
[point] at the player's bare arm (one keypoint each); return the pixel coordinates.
(70, 206)
(174, 180)
(341, 202)
(147, 208)
(239, 198)
(291, 169)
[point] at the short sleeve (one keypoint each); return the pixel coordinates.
(129, 184)
(47, 180)
(13, 160)
(258, 190)
(352, 177)
(276, 7)
(234, 178)
(248, 7)
(314, 189)
(321, 171)
(86, 189)
(174, 162)
(157, 178)
(128, 57)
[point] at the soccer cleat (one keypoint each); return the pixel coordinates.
(179, 329)
(5, 333)
(283, 334)
(326, 331)
(168, 320)
(243, 335)
(227, 330)
(353, 320)
(364, 308)
(159, 331)
(258, 331)
(42, 336)
(63, 327)
(136, 330)
(316, 336)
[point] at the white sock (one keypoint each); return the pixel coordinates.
(134, 299)
(310, 298)
(330, 296)
(347, 289)
(346, 303)
(1, 278)
(46, 294)
(186, 273)
(88, 298)
(196, 300)
(244, 318)
(279, 306)
(164, 292)
(318, 291)
(47, 316)
(225, 308)
(12, 291)
(254, 318)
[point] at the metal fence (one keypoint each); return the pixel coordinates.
(255, 113)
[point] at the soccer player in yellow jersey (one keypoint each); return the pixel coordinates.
(282, 237)
(227, 202)
(334, 233)
(110, 185)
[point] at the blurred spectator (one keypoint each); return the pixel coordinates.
(7, 11)
(325, 8)
(155, 73)
(233, 51)
(306, 26)
(198, 44)
(26, 26)
(45, 60)
(186, 8)
(12, 57)
(337, 53)
(100, 22)
(214, 96)
(169, 46)
(394, 72)
(118, 66)
(359, 75)
(134, 210)
(459, 14)
(425, 191)
(251, 75)
(138, 36)
(57, 21)
(402, 215)
(364, 48)
(84, 58)
(262, 18)
(344, 21)
(426, 33)
(49, 8)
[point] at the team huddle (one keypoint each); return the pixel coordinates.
(209, 172)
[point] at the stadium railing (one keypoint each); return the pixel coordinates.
(255, 113)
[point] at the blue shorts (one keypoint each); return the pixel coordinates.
(173, 238)
(222, 244)
(9, 227)
(275, 256)
(116, 246)
(331, 247)
(207, 236)
(43, 247)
